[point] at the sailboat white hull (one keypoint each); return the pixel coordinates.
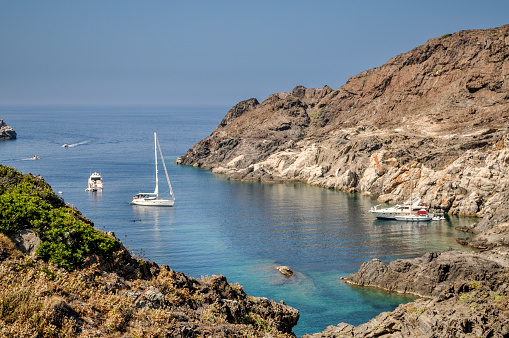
(153, 202)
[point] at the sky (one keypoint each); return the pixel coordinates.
(210, 52)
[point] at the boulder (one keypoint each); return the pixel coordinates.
(151, 298)
(26, 241)
(285, 271)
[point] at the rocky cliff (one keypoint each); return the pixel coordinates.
(6, 132)
(438, 113)
(436, 117)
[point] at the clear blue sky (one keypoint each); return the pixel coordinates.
(210, 52)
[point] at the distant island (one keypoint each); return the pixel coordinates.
(6, 132)
(436, 117)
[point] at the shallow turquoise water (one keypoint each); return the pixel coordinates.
(241, 230)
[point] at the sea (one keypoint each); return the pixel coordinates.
(238, 229)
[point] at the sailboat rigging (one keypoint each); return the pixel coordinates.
(152, 199)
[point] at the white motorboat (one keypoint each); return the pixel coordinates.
(95, 182)
(404, 209)
(413, 208)
(152, 199)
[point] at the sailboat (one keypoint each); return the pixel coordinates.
(152, 198)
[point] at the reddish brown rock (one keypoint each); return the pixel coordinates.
(438, 113)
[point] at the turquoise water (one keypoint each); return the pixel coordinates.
(241, 230)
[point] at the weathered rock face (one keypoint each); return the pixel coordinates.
(6, 132)
(431, 274)
(438, 113)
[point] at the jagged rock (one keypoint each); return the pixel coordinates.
(6, 132)
(238, 110)
(429, 275)
(151, 298)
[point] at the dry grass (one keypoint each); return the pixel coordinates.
(40, 300)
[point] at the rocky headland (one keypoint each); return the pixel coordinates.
(439, 112)
(6, 132)
(436, 116)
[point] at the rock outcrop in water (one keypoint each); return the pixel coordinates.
(6, 132)
(465, 294)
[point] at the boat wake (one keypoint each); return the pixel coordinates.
(35, 157)
(65, 145)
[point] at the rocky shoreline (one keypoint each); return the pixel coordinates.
(6, 132)
(436, 118)
(463, 294)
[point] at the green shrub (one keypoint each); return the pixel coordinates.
(66, 237)
(20, 211)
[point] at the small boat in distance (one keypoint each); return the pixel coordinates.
(95, 182)
(35, 157)
(152, 198)
(65, 145)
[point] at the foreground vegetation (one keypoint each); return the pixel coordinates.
(27, 202)
(82, 282)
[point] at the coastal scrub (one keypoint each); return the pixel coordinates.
(27, 202)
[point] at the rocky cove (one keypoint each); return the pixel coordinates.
(435, 117)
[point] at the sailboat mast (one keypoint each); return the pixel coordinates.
(165, 171)
(156, 191)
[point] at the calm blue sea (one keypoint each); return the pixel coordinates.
(241, 230)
